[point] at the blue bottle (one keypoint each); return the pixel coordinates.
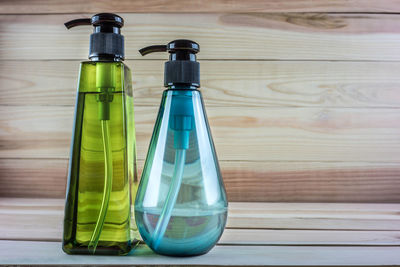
(181, 205)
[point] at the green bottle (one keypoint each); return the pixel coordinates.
(102, 178)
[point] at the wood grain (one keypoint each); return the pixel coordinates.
(326, 216)
(174, 6)
(41, 219)
(310, 100)
(244, 180)
(224, 83)
(270, 134)
(44, 223)
(259, 36)
(309, 237)
(312, 181)
(33, 178)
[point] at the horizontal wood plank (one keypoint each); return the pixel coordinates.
(33, 177)
(224, 83)
(174, 6)
(270, 134)
(242, 215)
(326, 216)
(256, 36)
(309, 237)
(40, 253)
(49, 231)
(244, 180)
(311, 181)
(248, 223)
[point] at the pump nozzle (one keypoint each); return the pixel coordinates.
(106, 41)
(181, 46)
(100, 19)
(77, 22)
(153, 48)
(182, 67)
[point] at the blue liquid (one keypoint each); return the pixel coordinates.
(186, 234)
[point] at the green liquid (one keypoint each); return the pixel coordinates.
(86, 173)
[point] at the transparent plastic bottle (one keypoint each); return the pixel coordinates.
(181, 205)
(102, 168)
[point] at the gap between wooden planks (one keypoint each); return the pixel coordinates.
(256, 36)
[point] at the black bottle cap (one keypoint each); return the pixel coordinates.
(182, 67)
(106, 41)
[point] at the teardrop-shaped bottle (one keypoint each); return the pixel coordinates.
(181, 206)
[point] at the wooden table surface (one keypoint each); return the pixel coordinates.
(273, 234)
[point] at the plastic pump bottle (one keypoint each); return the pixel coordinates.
(181, 205)
(102, 166)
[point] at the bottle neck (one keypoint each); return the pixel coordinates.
(181, 87)
(105, 58)
(182, 55)
(107, 29)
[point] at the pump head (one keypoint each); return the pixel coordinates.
(182, 69)
(106, 41)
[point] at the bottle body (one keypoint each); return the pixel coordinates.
(181, 205)
(102, 168)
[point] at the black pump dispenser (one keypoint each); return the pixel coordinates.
(182, 69)
(106, 41)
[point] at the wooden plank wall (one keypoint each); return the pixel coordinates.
(303, 96)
